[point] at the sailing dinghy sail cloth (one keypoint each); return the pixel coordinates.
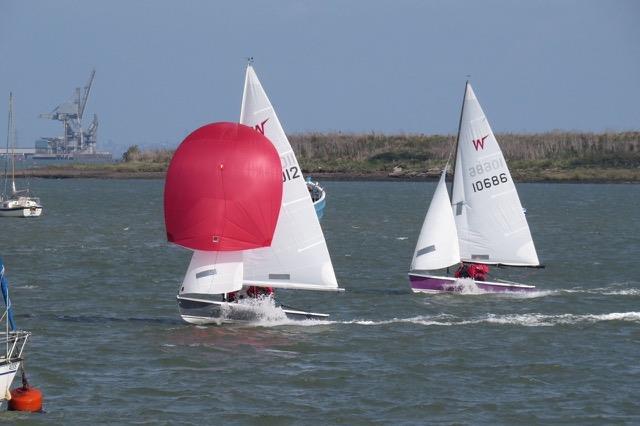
(222, 195)
(491, 224)
(298, 256)
(223, 190)
(437, 246)
(483, 222)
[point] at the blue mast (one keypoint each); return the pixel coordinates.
(4, 285)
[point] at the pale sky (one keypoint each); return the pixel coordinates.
(164, 68)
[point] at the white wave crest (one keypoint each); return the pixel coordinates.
(265, 310)
(605, 291)
(524, 320)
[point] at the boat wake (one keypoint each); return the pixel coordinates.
(265, 310)
(524, 320)
(621, 289)
(468, 286)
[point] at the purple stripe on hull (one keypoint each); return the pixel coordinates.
(442, 284)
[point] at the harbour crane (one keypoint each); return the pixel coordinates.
(70, 113)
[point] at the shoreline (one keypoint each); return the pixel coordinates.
(381, 176)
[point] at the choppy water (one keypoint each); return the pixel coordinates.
(95, 282)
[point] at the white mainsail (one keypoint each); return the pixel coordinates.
(437, 245)
(491, 224)
(298, 256)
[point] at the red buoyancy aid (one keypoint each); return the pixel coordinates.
(255, 291)
(478, 271)
(475, 271)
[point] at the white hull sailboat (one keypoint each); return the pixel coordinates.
(298, 257)
(14, 343)
(13, 202)
(482, 223)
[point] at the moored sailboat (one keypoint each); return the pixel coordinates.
(483, 222)
(13, 202)
(13, 342)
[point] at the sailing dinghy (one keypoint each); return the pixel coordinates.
(482, 223)
(297, 257)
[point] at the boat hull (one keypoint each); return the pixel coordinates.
(319, 201)
(201, 311)
(7, 374)
(21, 212)
(437, 284)
(15, 342)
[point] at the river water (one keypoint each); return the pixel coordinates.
(95, 281)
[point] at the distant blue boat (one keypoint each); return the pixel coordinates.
(317, 196)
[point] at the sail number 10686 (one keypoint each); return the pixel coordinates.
(487, 183)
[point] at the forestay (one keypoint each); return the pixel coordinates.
(491, 224)
(437, 245)
(298, 256)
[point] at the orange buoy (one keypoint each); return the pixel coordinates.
(25, 398)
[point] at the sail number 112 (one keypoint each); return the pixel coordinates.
(290, 173)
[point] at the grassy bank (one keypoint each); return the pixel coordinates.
(557, 156)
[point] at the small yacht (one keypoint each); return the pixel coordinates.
(13, 202)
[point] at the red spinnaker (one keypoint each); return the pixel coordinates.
(223, 189)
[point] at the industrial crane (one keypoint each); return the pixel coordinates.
(74, 139)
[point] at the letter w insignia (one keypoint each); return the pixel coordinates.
(479, 143)
(260, 127)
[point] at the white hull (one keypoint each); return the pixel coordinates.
(7, 374)
(10, 361)
(21, 212)
(20, 206)
(203, 311)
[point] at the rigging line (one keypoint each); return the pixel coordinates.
(458, 137)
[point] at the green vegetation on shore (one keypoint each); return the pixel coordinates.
(543, 156)
(558, 156)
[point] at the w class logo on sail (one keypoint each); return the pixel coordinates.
(260, 127)
(477, 143)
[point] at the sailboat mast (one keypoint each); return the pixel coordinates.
(12, 131)
(458, 140)
(6, 152)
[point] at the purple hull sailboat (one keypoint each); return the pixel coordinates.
(483, 222)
